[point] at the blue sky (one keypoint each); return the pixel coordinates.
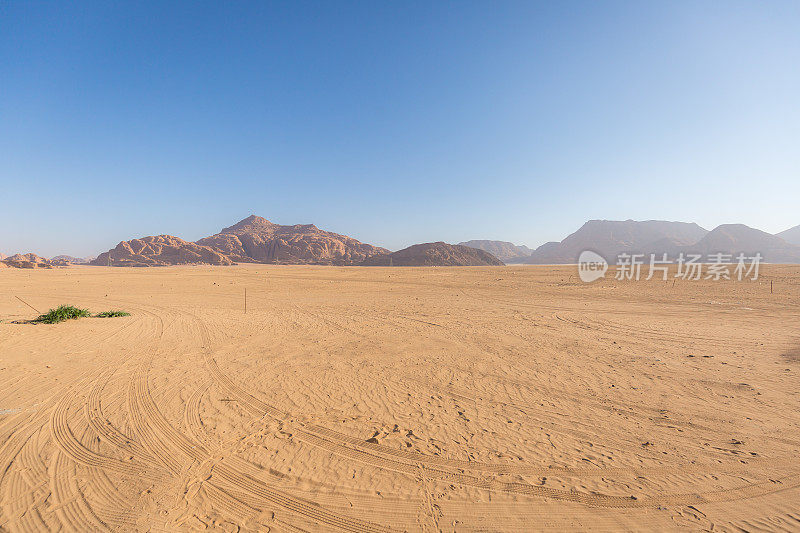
(395, 123)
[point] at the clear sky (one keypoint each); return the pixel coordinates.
(395, 123)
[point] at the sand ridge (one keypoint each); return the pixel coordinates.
(381, 399)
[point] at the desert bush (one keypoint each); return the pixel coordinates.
(62, 313)
(112, 314)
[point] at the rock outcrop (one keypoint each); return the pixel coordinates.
(160, 250)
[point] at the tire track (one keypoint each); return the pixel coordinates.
(328, 440)
(70, 505)
(191, 414)
(29, 487)
(99, 423)
(115, 508)
(334, 443)
(28, 425)
(249, 484)
(261, 495)
(667, 441)
(63, 437)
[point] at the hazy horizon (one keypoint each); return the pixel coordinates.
(394, 123)
(454, 241)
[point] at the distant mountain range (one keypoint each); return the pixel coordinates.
(737, 238)
(69, 260)
(612, 237)
(609, 238)
(31, 260)
(507, 252)
(435, 254)
(257, 240)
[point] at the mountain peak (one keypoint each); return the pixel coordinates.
(791, 235)
(253, 222)
(255, 219)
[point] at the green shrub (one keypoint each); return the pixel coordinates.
(62, 313)
(112, 314)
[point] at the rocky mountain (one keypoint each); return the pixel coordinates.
(29, 260)
(30, 257)
(252, 240)
(160, 250)
(506, 252)
(792, 235)
(609, 238)
(257, 240)
(435, 254)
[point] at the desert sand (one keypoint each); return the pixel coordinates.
(391, 399)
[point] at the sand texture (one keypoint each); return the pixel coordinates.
(392, 399)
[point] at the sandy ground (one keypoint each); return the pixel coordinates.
(380, 399)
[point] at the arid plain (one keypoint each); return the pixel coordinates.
(391, 399)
